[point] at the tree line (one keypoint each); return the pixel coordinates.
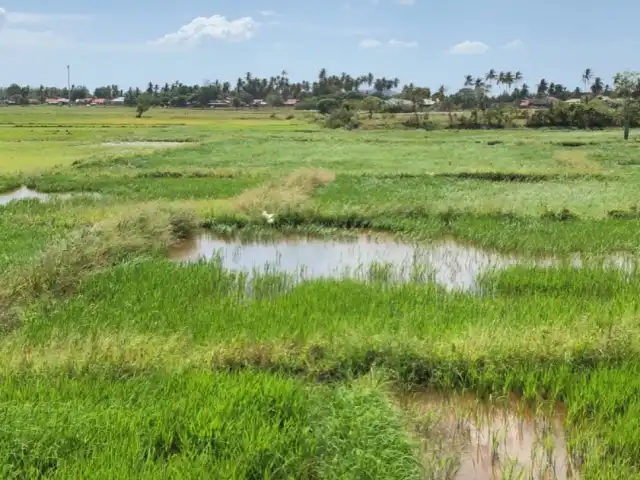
(490, 88)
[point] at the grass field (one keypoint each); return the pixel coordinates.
(118, 363)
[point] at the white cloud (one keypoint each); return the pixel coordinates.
(513, 45)
(402, 43)
(268, 13)
(32, 18)
(13, 34)
(217, 27)
(369, 43)
(405, 2)
(469, 47)
(393, 43)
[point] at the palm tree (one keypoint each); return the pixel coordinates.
(500, 80)
(598, 86)
(543, 87)
(517, 78)
(586, 78)
(508, 80)
(468, 80)
(491, 77)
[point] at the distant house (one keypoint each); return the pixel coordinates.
(399, 102)
(56, 101)
(538, 102)
(258, 102)
(98, 101)
(292, 102)
(34, 101)
(117, 101)
(219, 104)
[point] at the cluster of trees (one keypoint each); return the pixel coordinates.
(245, 89)
(327, 92)
(592, 84)
(476, 92)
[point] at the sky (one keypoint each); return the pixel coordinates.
(130, 43)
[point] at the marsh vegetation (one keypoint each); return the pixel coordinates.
(118, 361)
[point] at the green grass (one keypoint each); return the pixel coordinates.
(247, 425)
(117, 363)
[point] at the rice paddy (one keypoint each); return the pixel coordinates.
(247, 294)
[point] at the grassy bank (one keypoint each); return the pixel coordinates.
(120, 363)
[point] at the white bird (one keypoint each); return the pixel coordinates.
(269, 217)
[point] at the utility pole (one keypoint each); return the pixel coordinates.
(69, 83)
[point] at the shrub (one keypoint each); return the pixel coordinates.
(594, 114)
(342, 118)
(421, 121)
(327, 105)
(306, 104)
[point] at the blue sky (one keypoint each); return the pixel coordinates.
(132, 43)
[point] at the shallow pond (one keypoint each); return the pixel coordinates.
(369, 257)
(493, 440)
(24, 193)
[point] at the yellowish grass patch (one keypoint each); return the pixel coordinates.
(576, 160)
(293, 190)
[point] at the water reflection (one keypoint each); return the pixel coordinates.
(25, 193)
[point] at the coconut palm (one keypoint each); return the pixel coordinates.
(500, 80)
(586, 78)
(508, 80)
(370, 79)
(598, 86)
(543, 87)
(517, 77)
(468, 80)
(491, 76)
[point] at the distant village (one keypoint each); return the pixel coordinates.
(92, 101)
(536, 102)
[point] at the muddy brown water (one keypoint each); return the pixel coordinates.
(24, 193)
(494, 440)
(448, 262)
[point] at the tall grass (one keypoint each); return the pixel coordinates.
(540, 346)
(247, 425)
(62, 266)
